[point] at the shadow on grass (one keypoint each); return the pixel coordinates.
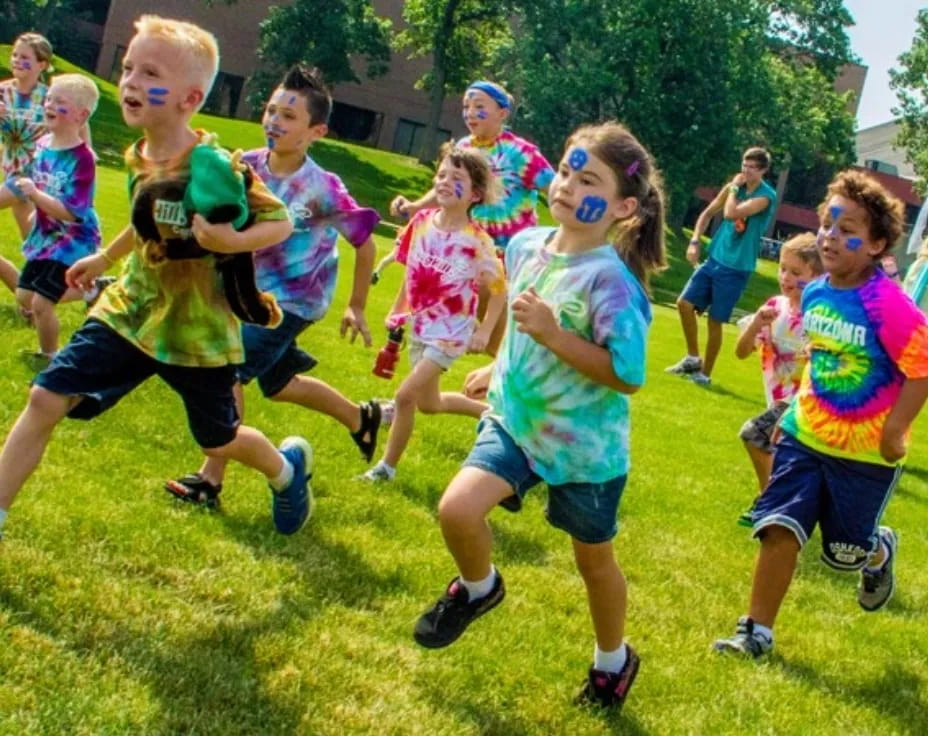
(894, 695)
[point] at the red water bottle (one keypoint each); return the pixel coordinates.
(389, 354)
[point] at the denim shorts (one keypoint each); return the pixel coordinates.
(844, 497)
(45, 278)
(101, 367)
(272, 356)
(586, 511)
(717, 288)
(419, 350)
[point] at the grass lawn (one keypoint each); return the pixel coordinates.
(124, 612)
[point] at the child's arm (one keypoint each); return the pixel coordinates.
(45, 202)
(400, 304)
(84, 271)
(223, 238)
(384, 262)
(402, 207)
(911, 399)
(354, 312)
(534, 317)
(702, 222)
(481, 337)
(747, 340)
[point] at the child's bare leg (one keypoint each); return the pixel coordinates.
(462, 513)
(450, 402)
(250, 447)
(420, 385)
(320, 396)
(499, 329)
(763, 464)
(9, 274)
(776, 563)
(713, 345)
(46, 324)
(606, 591)
(26, 442)
(690, 326)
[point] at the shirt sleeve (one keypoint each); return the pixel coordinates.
(489, 265)
(538, 173)
(404, 239)
(77, 196)
(353, 222)
(620, 318)
(901, 329)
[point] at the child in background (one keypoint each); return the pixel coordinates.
(520, 169)
(844, 436)
(300, 272)
(446, 257)
(61, 187)
(168, 314)
(559, 408)
(776, 330)
(916, 279)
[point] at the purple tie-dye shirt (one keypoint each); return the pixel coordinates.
(300, 272)
(67, 175)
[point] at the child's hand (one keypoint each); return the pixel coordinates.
(218, 237)
(478, 341)
(26, 186)
(738, 180)
(764, 316)
(692, 252)
(892, 443)
(477, 382)
(534, 316)
(353, 319)
(399, 207)
(83, 272)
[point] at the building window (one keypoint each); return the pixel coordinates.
(409, 135)
(116, 69)
(225, 95)
(354, 123)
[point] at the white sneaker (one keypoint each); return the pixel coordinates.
(685, 366)
(700, 378)
(380, 473)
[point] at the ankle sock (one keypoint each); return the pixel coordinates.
(612, 661)
(283, 478)
(692, 357)
(477, 589)
(887, 553)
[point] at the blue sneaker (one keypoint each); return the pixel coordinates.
(293, 505)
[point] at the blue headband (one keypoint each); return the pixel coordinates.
(494, 90)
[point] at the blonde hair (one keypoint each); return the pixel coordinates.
(197, 46)
(41, 47)
(805, 247)
(82, 90)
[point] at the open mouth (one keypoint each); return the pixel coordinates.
(131, 102)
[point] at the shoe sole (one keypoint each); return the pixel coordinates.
(307, 450)
(432, 644)
(892, 588)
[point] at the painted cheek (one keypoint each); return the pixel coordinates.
(854, 244)
(156, 95)
(591, 209)
(62, 110)
(577, 159)
(481, 115)
(800, 284)
(458, 189)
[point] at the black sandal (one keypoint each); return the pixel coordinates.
(366, 437)
(194, 488)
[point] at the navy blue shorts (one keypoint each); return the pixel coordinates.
(272, 356)
(717, 288)
(586, 511)
(101, 367)
(45, 278)
(845, 497)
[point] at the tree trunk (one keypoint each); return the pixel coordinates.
(437, 89)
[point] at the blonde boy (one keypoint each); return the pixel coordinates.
(167, 314)
(61, 186)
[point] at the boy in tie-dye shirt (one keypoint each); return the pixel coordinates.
(775, 331)
(845, 434)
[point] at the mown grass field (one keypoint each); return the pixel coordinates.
(124, 612)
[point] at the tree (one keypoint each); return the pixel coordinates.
(462, 37)
(910, 82)
(329, 35)
(697, 81)
(54, 19)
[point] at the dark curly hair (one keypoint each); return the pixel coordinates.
(885, 212)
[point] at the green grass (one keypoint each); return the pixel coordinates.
(123, 612)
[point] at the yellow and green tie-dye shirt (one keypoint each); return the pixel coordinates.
(169, 300)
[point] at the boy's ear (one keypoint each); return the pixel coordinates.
(193, 99)
(319, 130)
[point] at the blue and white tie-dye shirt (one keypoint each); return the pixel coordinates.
(68, 175)
(301, 271)
(572, 429)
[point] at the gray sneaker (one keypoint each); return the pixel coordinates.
(700, 379)
(685, 366)
(745, 641)
(876, 588)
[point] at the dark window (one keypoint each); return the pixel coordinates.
(354, 123)
(409, 136)
(225, 95)
(116, 69)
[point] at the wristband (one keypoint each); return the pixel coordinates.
(695, 241)
(733, 189)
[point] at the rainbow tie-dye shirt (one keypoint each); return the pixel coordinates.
(21, 126)
(521, 172)
(443, 270)
(780, 345)
(67, 175)
(571, 428)
(301, 271)
(864, 343)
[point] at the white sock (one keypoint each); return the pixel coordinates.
(886, 553)
(3, 513)
(764, 631)
(693, 357)
(480, 588)
(612, 661)
(283, 478)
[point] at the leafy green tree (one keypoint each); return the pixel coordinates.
(910, 83)
(462, 37)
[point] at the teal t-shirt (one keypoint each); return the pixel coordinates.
(739, 250)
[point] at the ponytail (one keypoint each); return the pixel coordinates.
(641, 245)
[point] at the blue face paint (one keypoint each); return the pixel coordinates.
(591, 209)
(854, 243)
(800, 284)
(292, 99)
(24, 64)
(481, 114)
(458, 189)
(156, 94)
(577, 159)
(270, 142)
(63, 110)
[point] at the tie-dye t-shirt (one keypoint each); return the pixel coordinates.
(571, 428)
(21, 127)
(443, 271)
(301, 271)
(521, 172)
(780, 345)
(68, 176)
(174, 309)
(864, 342)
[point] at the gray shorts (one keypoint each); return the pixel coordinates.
(419, 350)
(758, 430)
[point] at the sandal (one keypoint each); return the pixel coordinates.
(366, 437)
(194, 488)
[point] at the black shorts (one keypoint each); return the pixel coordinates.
(45, 278)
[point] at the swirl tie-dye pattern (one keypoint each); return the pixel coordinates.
(21, 126)
(68, 175)
(781, 348)
(521, 172)
(572, 429)
(301, 272)
(864, 343)
(442, 273)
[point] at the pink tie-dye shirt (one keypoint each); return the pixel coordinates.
(443, 270)
(780, 345)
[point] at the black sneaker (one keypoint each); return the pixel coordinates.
(453, 613)
(194, 488)
(609, 689)
(745, 641)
